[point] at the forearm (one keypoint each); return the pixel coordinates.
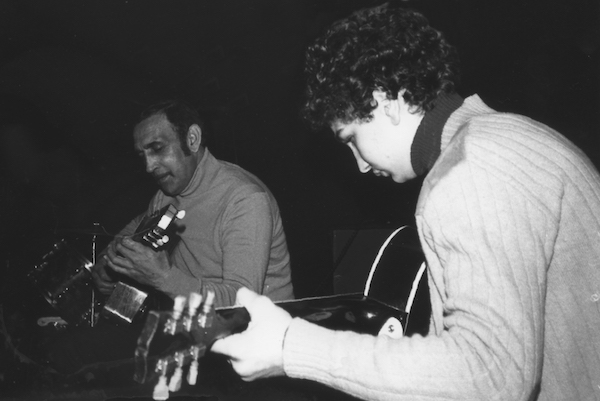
(449, 367)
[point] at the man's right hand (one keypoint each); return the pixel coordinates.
(104, 282)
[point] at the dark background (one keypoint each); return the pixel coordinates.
(75, 74)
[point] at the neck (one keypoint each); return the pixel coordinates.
(199, 154)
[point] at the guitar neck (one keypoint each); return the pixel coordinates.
(190, 332)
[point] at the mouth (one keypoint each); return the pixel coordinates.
(160, 177)
(380, 173)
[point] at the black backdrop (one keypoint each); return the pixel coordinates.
(75, 74)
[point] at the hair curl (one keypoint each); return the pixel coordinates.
(180, 115)
(384, 48)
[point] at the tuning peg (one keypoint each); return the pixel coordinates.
(153, 242)
(205, 317)
(178, 306)
(193, 371)
(161, 390)
(159, 239)
(175, 382)
(194, 302)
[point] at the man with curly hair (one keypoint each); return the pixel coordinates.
(508, 218)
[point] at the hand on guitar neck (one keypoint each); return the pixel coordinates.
(142, 256)
(125, 255)
(258, 351)
(142, 263)
(193, 325)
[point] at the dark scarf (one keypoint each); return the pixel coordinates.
(426, 146)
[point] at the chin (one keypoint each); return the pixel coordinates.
(168, 190)
(400, 180)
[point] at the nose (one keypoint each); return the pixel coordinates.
(150, 164)
(363, 166)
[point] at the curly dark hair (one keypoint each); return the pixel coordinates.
(385, 48)
(181, 116)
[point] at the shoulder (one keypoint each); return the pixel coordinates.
(497, 140)
(500, 153)
(238, 181)
(475, 126)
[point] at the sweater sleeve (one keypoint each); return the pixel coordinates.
(488, 242)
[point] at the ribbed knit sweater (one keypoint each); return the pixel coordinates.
(509, 220)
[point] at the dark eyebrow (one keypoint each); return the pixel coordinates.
(152, 144)
(337, 134)
(147, 146)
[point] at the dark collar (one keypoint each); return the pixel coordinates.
(426, 146)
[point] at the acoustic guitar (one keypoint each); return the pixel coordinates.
(172, 342)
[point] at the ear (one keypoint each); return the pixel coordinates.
(391, 107)
(194, 137)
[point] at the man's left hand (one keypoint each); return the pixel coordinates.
(257, 352)
(138, 261)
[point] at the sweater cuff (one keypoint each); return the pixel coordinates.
(306, 353)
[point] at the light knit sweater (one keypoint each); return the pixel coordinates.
(508, 219)
(231, 236)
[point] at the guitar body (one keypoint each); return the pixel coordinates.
(351, 312)
(129, 301)
(386, 264)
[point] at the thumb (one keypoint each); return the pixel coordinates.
(245, 297)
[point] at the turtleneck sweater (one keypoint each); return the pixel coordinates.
(231, 236)
(509, 221)
(426, 145)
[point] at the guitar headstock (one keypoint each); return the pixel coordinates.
(154, 230)
(189, 329)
